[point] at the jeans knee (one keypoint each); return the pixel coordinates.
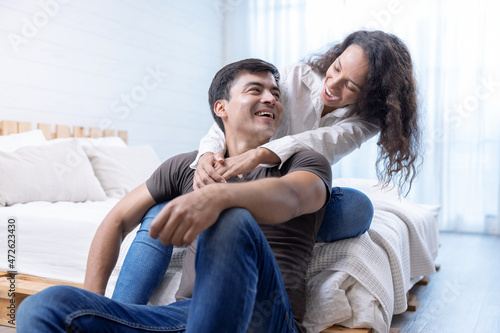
(366, 210)
(348, 214)
(234, 226)
(44, 306)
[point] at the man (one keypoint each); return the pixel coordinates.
(256, 232)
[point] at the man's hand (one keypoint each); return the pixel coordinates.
(205, 173)
(184, 217)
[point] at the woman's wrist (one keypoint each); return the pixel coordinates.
(266, 156)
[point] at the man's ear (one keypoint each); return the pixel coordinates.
(220, 108)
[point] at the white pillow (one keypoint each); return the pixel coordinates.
(109, 141)
(12, 142)
(121, 169)
(58, 172)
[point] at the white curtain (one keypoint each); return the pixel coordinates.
(456, 53)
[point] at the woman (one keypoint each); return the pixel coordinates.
(333, 103)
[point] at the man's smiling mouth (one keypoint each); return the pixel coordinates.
(265, 114)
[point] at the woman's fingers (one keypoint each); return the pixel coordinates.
(205, 173)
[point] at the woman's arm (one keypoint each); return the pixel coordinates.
(334, 142)
(213, 142)
(210, 152)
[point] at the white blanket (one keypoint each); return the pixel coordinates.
(400, 246)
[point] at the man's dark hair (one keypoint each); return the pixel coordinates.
(223, 81)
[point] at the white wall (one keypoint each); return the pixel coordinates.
(75, 62)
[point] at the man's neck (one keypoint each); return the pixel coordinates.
(236, 145)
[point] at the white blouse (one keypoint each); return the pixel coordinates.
(302, 127)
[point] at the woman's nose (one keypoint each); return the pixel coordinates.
(333, 82)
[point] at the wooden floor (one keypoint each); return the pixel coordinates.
(463, 297)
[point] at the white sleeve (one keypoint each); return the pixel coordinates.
(214, 141)
(334, 142)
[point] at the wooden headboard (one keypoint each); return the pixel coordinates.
(61, 131)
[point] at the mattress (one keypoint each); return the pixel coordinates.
(53, 239)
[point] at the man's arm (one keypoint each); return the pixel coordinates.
(270, 200)
(105, 247)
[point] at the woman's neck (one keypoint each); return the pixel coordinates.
(327, 110)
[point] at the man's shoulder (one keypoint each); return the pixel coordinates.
(308, 156)
(311, 161)
(178, 163)
(182, 158)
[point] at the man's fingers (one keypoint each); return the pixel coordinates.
(159, 222)
(214, 177)
(178, 235)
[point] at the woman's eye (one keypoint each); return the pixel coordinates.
(350, 87)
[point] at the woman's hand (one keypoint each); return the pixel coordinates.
(205, 172)
(246, 162)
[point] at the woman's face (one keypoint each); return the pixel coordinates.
(345, 79)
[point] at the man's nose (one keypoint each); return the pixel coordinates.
(268, 97)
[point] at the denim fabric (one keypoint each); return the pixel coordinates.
(239, 289)
(70, 309)
(348, 214)
(144, 266)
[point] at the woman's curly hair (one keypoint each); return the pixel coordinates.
(388, 99)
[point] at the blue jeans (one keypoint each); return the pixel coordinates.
(239, 289)
(145, 264)
(348, 214)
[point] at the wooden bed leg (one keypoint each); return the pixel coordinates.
(412, 302)
(424, 281)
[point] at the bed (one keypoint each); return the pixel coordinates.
(79, 177)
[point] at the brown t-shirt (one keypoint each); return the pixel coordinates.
(292, 242)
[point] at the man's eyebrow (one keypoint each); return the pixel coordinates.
(357, 85)
(255, 83)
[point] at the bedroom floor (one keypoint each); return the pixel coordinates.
(463, 297)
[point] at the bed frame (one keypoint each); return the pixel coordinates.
(61, 131)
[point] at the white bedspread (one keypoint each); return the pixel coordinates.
(400, 245)
(53, 239)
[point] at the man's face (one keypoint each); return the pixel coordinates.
(254, 110)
